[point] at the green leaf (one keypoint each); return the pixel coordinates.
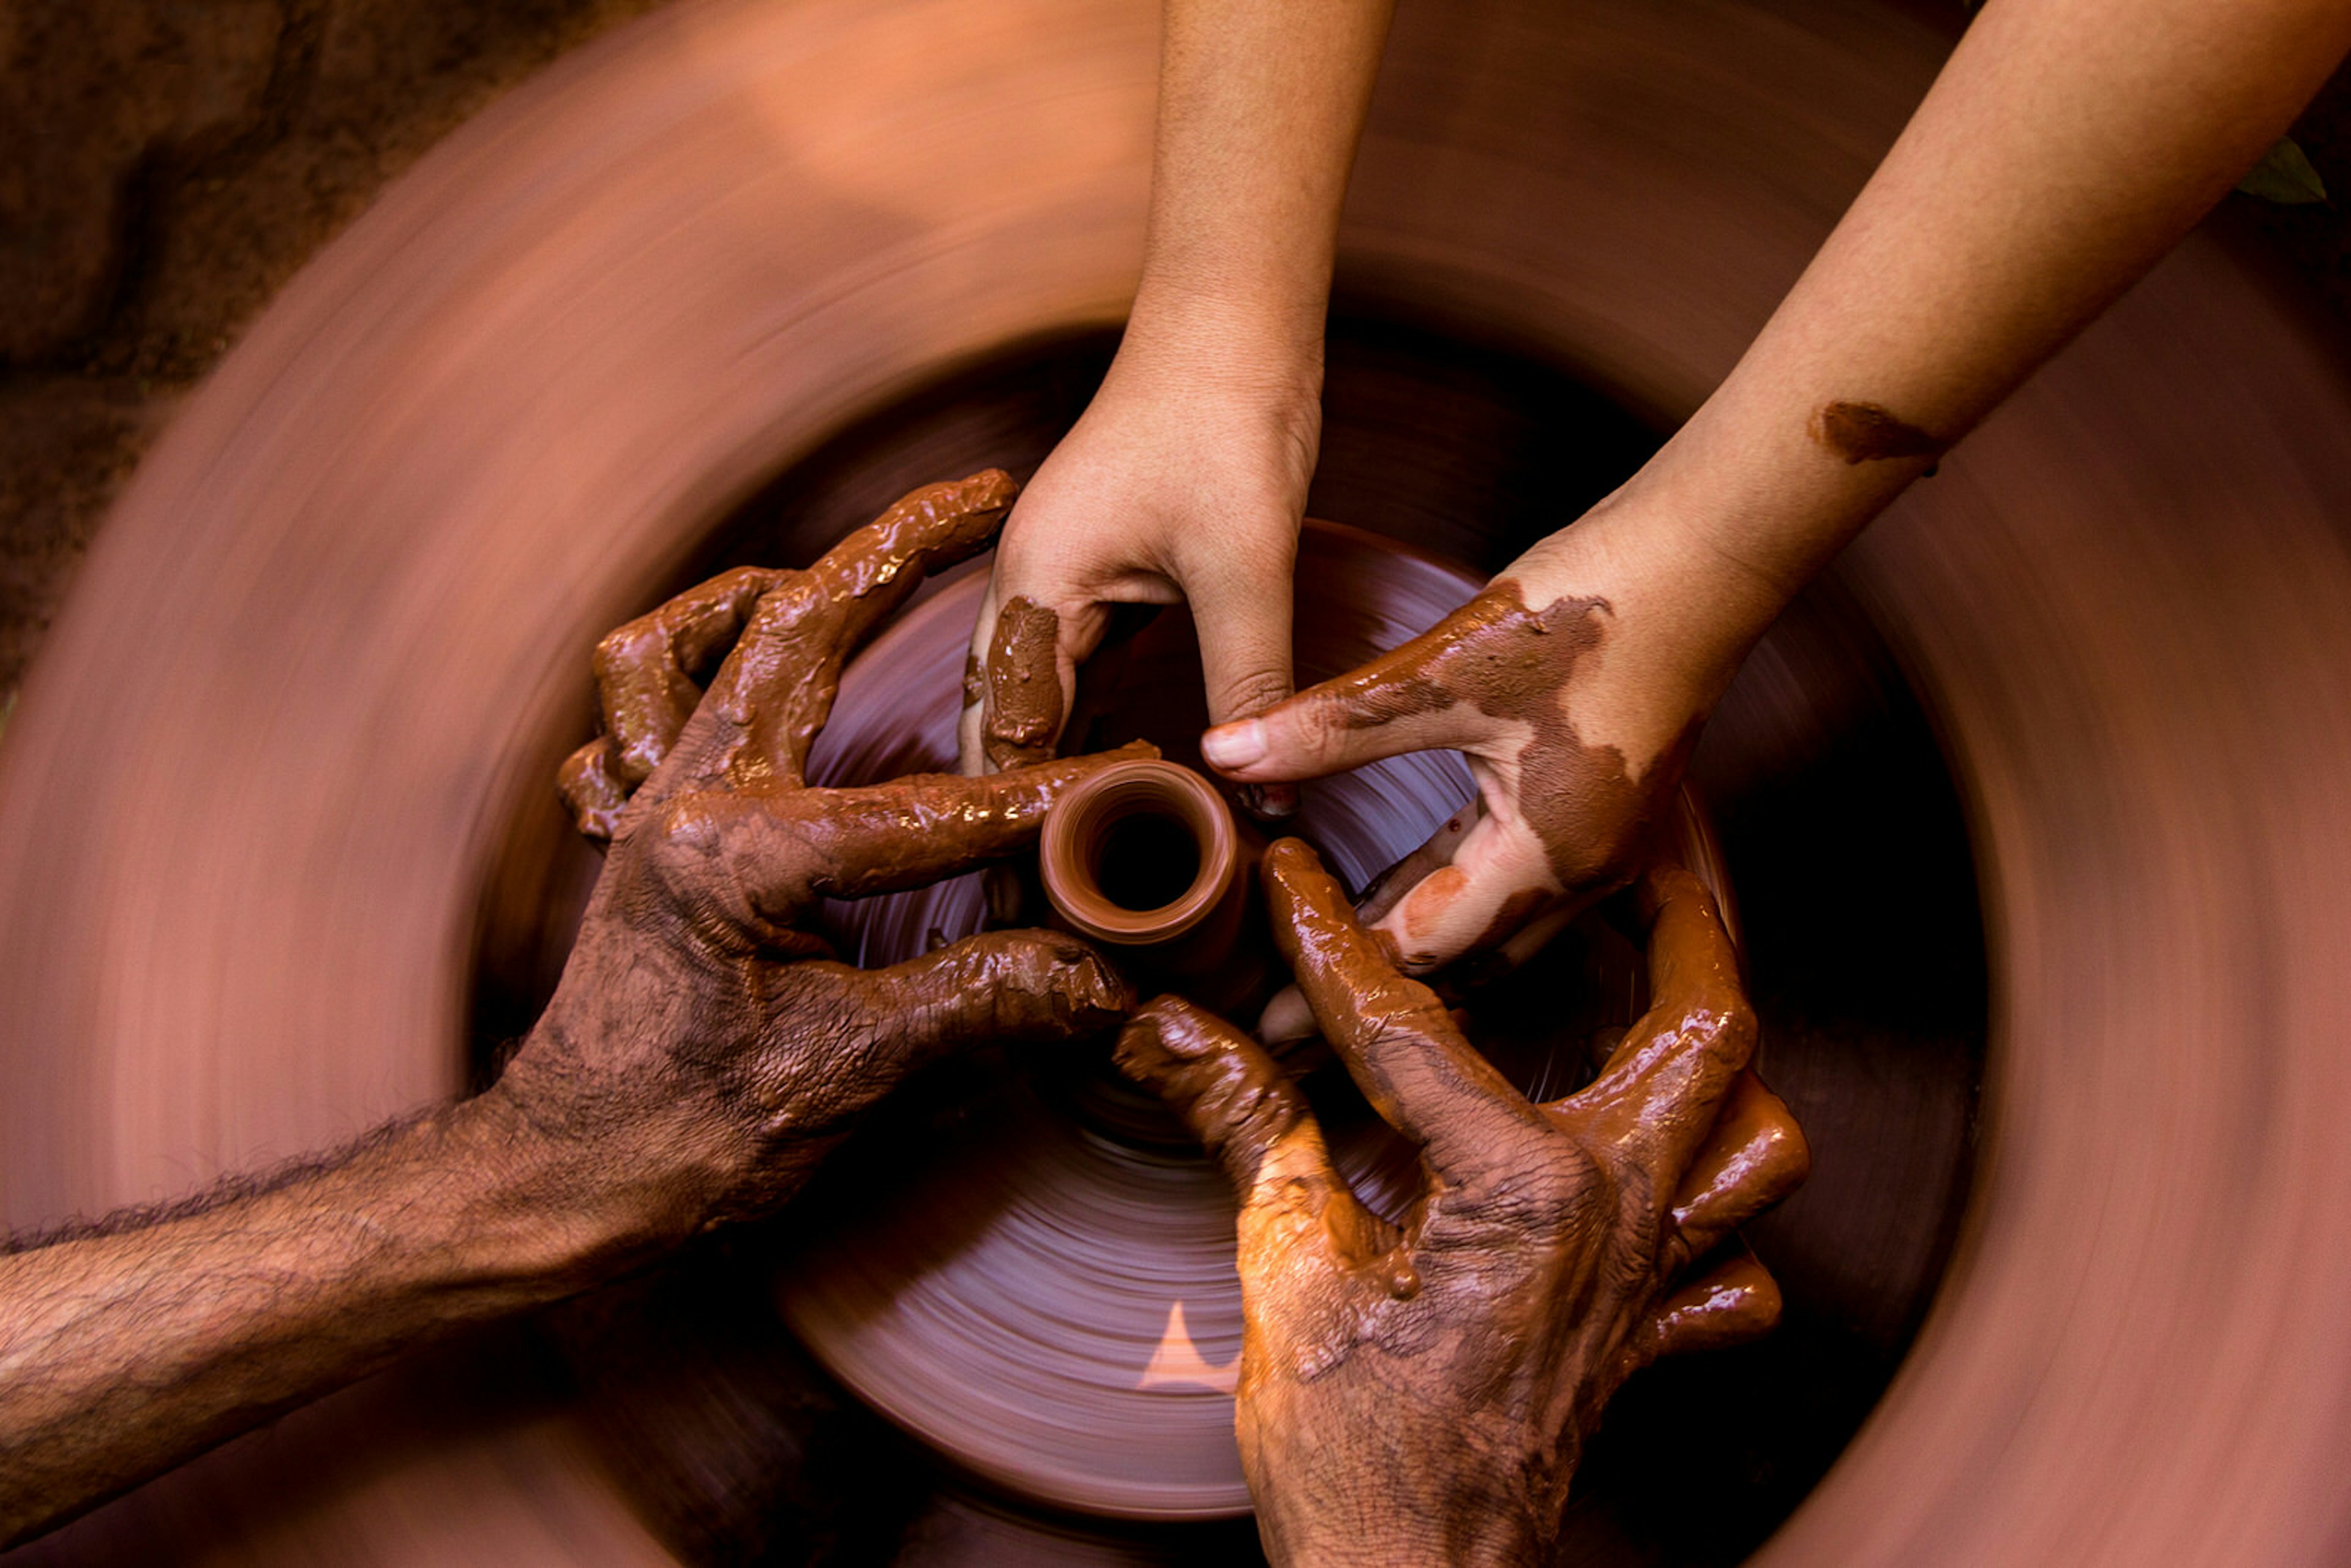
(2285, 177)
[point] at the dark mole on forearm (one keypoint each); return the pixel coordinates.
(1863, 431)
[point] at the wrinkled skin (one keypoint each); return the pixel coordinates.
(700, 1053)
(696, 1007)
(1421, 1393)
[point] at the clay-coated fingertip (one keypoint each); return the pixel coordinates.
(1288, 857)
(1103, 988)
(1143, 1050)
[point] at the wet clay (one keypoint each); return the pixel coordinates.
(722, 854)
(1536, 1267)
(1755, 1143)
(1864, 433)
(1153, 830)
(1023, 685)
(1516, 665)
(808, 622)
(923, 530)
(1236, 1100)
(1148, 859)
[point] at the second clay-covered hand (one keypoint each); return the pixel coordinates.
(1420, 1392)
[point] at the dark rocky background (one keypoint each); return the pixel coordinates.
(166, 165)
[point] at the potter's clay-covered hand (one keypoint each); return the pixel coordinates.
(1420, 1394)
(699, 1027)
(1574, 688)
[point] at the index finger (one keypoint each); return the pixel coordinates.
(1474, 680)
(1393, 1034)
(775, 689)
(1258, 1128)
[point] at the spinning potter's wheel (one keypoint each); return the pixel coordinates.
(275, 831)
(1027, 1271)
(1040, 1282)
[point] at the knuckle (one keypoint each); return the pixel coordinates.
(1726, 1031)
(635, 758)
(795, 600)
(594, 798)
(624, 648)
(739, 581)
(1318, 730)
(680, 841)
(1539, 1187)
(1250, 692)
(1255, 1115)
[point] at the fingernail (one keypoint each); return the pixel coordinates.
(1286, 1018)
(1234, 745)
(1269, 803)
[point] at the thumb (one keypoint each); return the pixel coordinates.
(1244, 626)
(1245, 653)
(1016, 685)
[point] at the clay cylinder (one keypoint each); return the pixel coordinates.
(1146, 859)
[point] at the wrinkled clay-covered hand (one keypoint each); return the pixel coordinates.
(1174, 486)
(1421, 1393)
(699, 1026)
(1575, 706)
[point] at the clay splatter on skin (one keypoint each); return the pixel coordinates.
(1864, 433)
(1024, 688)
(1513, 664)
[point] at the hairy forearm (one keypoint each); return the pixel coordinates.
(1261, 104)
(2066, 146)
(126, 1351)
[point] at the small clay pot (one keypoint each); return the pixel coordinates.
(1146, 859)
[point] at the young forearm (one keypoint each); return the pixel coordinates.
(124, 1354)
(1260, 106)
(2068, 145)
